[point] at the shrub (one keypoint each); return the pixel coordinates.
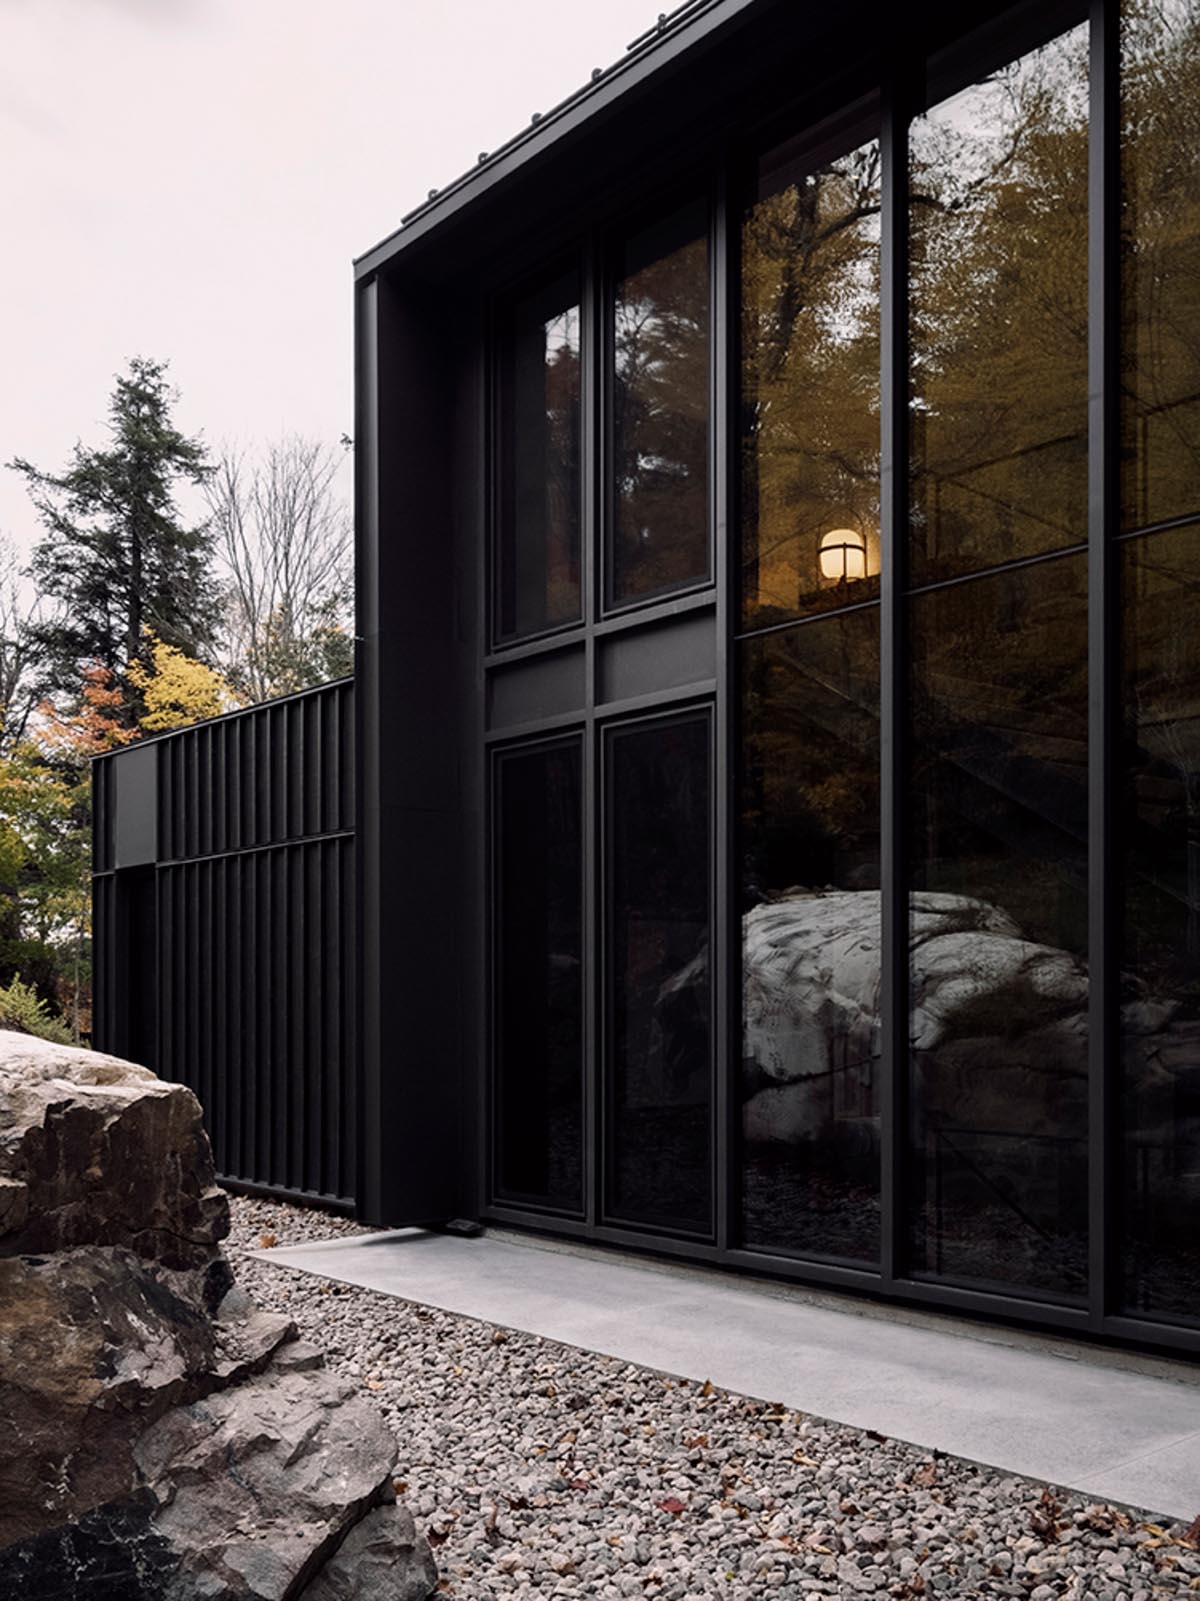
(23, 1009)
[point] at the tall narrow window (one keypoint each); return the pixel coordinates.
(660, 387)
(1159, 895)
(538, 975)
(1160, 247)
(998, 928)
(998, 316)
(811, 938)
(538, 559)
(809, 492)
(659, 1012)
(997, 783)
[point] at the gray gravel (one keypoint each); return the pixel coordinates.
(541, 1470)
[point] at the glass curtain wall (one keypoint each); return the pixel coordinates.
(950, 1146)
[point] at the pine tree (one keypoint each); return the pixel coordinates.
(117, 552)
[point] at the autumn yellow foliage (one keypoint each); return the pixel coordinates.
(176, 689)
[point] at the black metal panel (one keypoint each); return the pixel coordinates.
(227, 960)
(667, 655)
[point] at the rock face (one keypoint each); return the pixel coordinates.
(160, 1438)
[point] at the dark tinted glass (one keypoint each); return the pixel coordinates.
(998, 307)
(998, 921)
(1159, 841)
(810, 938)
(538, 560)
(660, 1026)
(660, 324)
(1160, 238)
(810, 382)
(538, 975)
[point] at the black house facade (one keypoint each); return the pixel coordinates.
(777, 713)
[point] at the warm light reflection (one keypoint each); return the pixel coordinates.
(843, 555)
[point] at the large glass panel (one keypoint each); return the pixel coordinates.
(1159, 844)
(538, 565)
(658, 1136)
(810, 938)
(998, 309)
(660, 383)
(1160, 237)
(538, 968)
(998, 928)
(809, 492)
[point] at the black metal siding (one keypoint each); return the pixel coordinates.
(250, 993)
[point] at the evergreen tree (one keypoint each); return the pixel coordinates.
(117, 552)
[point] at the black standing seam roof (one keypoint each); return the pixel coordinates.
(674, 32)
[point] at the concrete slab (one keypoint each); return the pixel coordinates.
(1117, 1429)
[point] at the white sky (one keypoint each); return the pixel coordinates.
(190, 179)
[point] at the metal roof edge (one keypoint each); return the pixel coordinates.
(648, 54)
(160, 734)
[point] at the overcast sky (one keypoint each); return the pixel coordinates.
(190, 180)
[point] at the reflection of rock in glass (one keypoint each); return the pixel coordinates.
(811, 1004)
(677, 1067)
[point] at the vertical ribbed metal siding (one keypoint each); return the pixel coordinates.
(255, 936)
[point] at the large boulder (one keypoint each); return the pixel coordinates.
(97, 1151)
(159, 1436)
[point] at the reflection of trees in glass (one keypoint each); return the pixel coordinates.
(810, 378)
(810, 767)
(998, 315)
(998, 774)
(660, 408)
(562, 387)
(539, 570)
(1160, 240)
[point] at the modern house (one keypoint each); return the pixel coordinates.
(777, 715)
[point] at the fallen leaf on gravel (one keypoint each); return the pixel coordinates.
(399, 1485)
(697, 1443)
(1044, 1520)
(268, 1240)
(499, 1337)
(672, 1503)
(1192, 1535)
(707, 1387)
(925, 1475)
(874, 1434)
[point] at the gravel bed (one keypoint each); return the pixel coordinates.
(541, 1470)
(256, 1224)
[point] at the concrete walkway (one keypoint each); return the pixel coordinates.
(1115, 1427)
